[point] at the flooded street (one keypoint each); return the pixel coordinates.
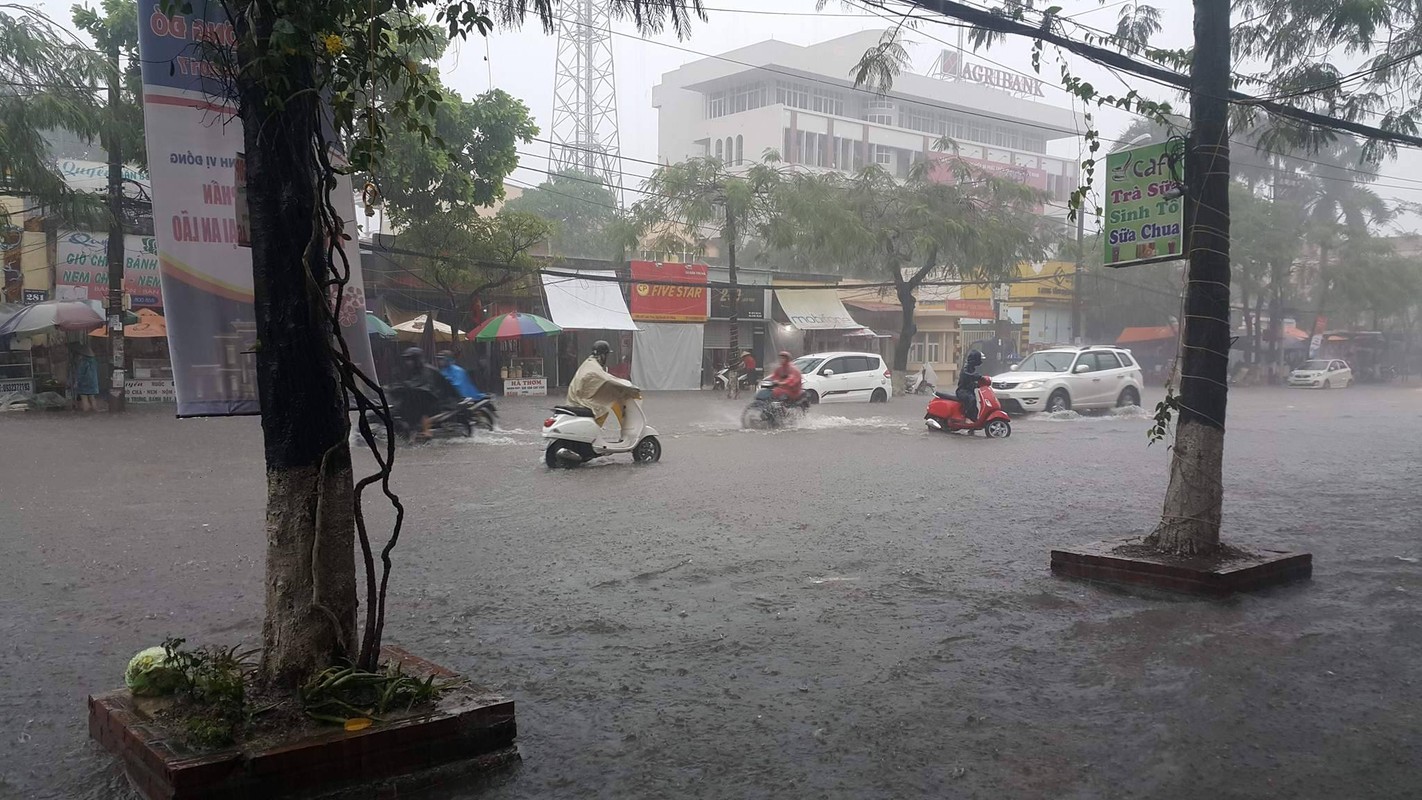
(855, 608)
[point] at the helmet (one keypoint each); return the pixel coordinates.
(413, 352)
(785, 354)
(601, 348)
(445, 354)
(975, 357)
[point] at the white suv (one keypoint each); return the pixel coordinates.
(1064, 378)
(833, 377)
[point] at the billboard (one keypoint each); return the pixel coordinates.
(671, 293)
(82, 268)
(1144, 210)
(194, 137)
(752, 304)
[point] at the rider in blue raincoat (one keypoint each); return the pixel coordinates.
(458, 377)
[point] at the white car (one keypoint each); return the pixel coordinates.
(836, 377)
(1322, 373)
(1065, 378)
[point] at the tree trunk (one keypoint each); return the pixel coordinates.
(1249, 325)
(1258, 333)
(907, 330)
(734, 357)
(310, 617)
(1190, 520)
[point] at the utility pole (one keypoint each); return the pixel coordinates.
(115, 248)
(1077, 308)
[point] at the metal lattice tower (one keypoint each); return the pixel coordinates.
(585, 96)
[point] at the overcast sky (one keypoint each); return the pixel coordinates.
(522, 62)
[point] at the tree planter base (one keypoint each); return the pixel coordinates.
(468, 730)
(1131, 563)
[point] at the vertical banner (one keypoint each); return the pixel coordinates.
(194, 138)
(658, 301)
(1145, 210)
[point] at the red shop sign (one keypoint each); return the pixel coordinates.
(665, 292)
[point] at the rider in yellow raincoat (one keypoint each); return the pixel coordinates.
(593, 387)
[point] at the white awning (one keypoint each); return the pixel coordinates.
(579, 304)
(815, 309)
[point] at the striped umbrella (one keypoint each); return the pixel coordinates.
(512, 326)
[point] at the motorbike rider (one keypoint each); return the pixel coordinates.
(593, 387)
(430, 390)
(458, 376)
(787, 379)
(747, 372)
(967, 394)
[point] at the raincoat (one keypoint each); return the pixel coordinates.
(595, 388)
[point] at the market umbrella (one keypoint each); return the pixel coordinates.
(375, 326)
(147, 324)
(413, 329)
(512, 326)
(66, 315)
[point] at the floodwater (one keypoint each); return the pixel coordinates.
(855, 608)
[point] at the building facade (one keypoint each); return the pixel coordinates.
(800, 102)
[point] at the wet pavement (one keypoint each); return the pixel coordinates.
(855, 609)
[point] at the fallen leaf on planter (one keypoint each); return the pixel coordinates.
(357, 724)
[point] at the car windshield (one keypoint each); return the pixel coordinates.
(1047, 362)
(1314, 366)
(807, 363)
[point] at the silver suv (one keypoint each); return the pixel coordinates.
(1065, 378)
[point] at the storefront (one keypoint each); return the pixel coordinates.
(750, 328)
(815, 320)
(588, 305)
(669, 302)
(149, 377)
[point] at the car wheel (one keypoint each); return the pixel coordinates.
(1129, 397)
(1328, 384)
(1059, 401)
(647, 451)
(879, 396)
(998, 429)
(813, 396)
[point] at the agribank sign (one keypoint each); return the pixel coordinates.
(951, 65)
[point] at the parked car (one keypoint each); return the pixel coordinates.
(1322, 373)
(836, 377)
(1065, 378)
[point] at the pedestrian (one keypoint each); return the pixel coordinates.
(747, 371)
(84, 377)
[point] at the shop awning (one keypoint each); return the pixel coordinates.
(587, 305)
(815, 309)
(1157, 333)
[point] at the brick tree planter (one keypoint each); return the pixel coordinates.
(1129, 562)
(468, 730)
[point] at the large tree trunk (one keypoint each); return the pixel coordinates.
(1190, 520)
(310, 617)
(907, 330)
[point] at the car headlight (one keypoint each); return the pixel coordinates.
(1029, 385)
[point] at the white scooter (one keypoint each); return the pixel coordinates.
(577, 438)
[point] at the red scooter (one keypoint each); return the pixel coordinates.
(945, 413)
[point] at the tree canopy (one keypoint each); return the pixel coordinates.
(583, 212)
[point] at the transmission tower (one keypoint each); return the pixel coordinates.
(585, 96)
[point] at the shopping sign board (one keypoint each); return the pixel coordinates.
(970, 309)
(194, 137)
(752, 304)
(1144, 205)
(665, 292)
(82, 268)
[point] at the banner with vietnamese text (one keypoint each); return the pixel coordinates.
(194, 136)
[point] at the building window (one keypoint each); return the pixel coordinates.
(826, 102)
(916, 349)
(720, 154)
(933, 348)
(883, 156)
(715, 105)
(879, 112)
(740, 149)
(794, 95)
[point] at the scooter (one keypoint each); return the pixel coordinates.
(765, 411)
(945, 413)
(921, 382)
(459, 419)
(577, 438)
(722, 379)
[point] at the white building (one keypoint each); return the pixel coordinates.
(800, 102)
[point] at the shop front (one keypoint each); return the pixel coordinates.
(750, 327)
(815, 320)
(669, 302)
(588, 305)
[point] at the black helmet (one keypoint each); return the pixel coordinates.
(975, 357)
(601, 348)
